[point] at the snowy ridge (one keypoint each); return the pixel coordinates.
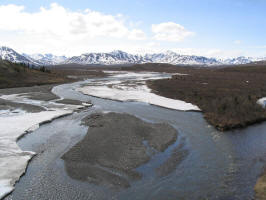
(171, 57)
(112, 58)
(120, 57)
(168, 57)
(46, 59)
(239, 60)
(12, 56)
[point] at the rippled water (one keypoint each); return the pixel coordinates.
(216, 166)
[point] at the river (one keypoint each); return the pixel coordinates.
(218, 165)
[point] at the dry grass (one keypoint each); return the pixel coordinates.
(260, 188)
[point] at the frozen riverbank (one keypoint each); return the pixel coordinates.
(132, 87)
(17, 119)
(228, 171)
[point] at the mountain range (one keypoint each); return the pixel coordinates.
(117, 58)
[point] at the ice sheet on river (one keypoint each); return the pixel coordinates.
(131, 87)
(13, 161)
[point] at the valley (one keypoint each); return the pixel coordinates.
(170, 170)
(133, 100)
(93, 101)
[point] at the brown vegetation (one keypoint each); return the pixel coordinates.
(227, 96)
(260, 187)
(21, 75)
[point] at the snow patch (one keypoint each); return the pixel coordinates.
(131, 86)
(13, 125)
(262, 102)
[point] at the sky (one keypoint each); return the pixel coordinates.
(211, 28)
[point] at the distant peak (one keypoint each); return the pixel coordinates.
(170, 52)
(5, 48)
(118, 52)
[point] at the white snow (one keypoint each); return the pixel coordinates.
(126, 74)
(262, 102)
(119, 57)
(13, 161)
(128, 89)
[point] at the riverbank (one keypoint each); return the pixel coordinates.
(130, 86)
(185, 170)
(23, 110)
(227, 96)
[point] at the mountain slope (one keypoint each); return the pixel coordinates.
(238, 61)
(46, 59)
(120, 57)
(19, 75)
(9, 54)
(112, 58)
(173, 58)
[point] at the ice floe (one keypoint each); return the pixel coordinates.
(131, 86)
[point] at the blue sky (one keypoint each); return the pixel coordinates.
(218, 28)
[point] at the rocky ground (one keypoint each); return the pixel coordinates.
(115, 145)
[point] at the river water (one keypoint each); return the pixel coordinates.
(218, 165)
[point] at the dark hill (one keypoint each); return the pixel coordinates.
(21, 75)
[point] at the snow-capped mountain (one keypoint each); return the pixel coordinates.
(112, 58)
(120, 57)
(46, 59)
(239, 60)
(171, 57)
(9, 54)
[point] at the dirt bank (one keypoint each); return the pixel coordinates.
(260, 187)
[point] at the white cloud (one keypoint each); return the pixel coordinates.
(58, 21)
(59, 30)
(170, 31)
(61, 27)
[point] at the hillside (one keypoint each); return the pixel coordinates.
(19, 75)
(11, 55)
